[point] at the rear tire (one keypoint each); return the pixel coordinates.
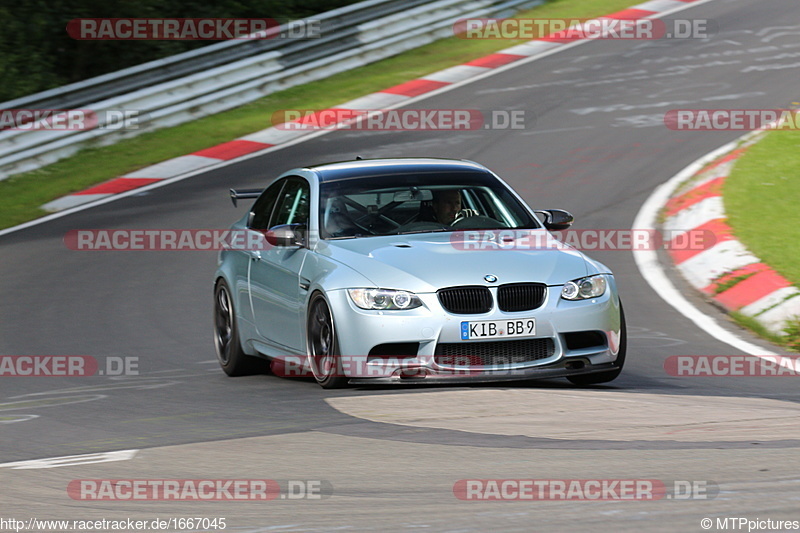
(230, 355)
(322, 345)
(608, 375)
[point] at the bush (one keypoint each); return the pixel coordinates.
(37, 54)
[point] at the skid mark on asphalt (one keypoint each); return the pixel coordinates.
(49, 402)
(651, 339)
(142, 384)
(72, 395)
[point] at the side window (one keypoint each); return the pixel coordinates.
(293, 203)
(262, 209)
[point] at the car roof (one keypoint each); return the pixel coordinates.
(387, 167)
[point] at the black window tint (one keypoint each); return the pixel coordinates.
(263, 207)
(293, 203)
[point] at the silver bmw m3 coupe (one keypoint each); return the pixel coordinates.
(410, 271)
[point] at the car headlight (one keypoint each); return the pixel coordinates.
(384, 299)
(584, 288)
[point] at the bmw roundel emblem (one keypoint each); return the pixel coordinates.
(490, 278)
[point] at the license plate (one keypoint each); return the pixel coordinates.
(498, 329)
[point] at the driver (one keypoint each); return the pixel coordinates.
(446, 206)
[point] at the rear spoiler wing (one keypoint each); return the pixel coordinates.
(241, 194)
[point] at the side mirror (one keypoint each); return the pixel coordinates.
(556, 219)
(287, 235)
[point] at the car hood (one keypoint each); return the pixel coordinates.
(427, 262)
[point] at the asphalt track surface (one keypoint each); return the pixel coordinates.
(598, 148)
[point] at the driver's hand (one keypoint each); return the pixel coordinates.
(464, 213)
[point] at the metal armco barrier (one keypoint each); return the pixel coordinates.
(191, 85)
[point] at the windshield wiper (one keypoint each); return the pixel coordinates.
(422, 231)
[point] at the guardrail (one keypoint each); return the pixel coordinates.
(188, 86)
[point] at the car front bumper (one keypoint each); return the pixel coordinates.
(359, 332)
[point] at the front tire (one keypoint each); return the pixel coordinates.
(230, 355)
(322, 345)
(608, 375)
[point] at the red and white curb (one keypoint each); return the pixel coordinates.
(727, 272)
(384, 99)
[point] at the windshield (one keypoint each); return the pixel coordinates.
(401, 204)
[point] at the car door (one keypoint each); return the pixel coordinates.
(242, 252)
(274, 276)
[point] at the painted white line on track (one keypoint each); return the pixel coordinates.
(651, 270)
(11, 419)
(72, 460)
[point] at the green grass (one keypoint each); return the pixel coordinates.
(792, 334)
(21, 195)
(729, 284)
(762, 196)
(756, 327)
